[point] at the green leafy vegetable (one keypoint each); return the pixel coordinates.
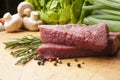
(27, 48)
(76, 10)
(58, 11)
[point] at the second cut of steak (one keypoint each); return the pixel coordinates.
(52, 51)
(92, 37)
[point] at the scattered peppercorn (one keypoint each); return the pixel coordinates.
(39, 63)
(83, 62)
(55, 64)
(76, 60)
(79, 65)
(68, 64)
(37, 58)
(42, 60)
(58, 60)
(42, 63)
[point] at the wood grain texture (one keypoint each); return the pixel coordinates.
(95, 68)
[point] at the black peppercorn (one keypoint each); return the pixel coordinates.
(37, 58)
(55, 64)
(75, 59)
(79, 65)
(42, 63)
(42, 60)
(58, 60)
(39, 63)
(83, 62)
(68, 64)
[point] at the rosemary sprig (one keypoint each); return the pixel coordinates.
(26, 58)
(25, 41)
(27, 48)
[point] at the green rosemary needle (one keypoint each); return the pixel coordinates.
(26, 58)
(26, 48)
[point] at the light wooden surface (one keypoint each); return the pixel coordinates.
(101, 68)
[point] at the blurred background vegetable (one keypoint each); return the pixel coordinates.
(107, 11)
(79, 11)
(58, 11)
(73, 11)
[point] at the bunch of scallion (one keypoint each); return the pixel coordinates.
(26, 48)
(107, 11)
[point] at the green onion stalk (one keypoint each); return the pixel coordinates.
(107, 11)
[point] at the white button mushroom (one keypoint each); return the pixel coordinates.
(31, 23)
(24, 9)
(12, 23)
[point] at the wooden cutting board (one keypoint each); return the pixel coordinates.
(94, 68)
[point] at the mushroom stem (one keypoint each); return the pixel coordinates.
(31, 23)
(34, 15)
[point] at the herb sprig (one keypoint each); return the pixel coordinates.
(26, 48)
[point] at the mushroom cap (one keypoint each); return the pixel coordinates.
(34, 15)
(21, 9)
